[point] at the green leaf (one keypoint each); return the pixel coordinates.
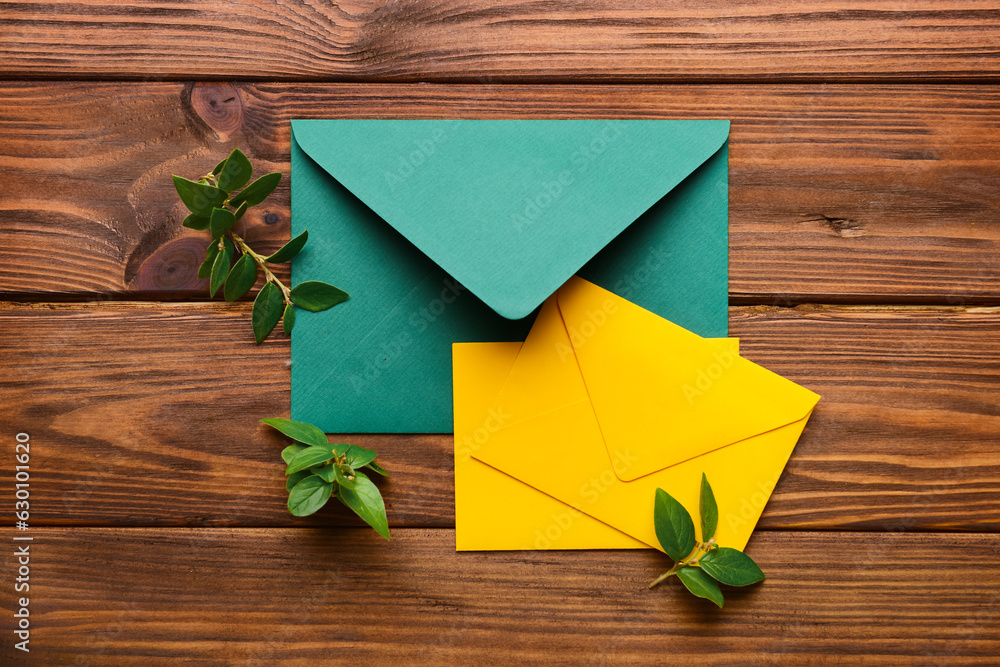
(708, 510)
(241, 278)
(257, 191)
(240, 211)
(199, 197)
(358, 457)
(673, 524)
(236, 171)
(366, 501)
(374, 467)
(290, 451)
(344, 479)
(700, 584)
(731, 567)
(205, 270)
(195, 221)
(220, 269)
(300, 431)
(308, 496)
(316, 296)
(221, 222)
(266, 311)
(288, 320)
(218, 167)
(295, 478)
(326, 473)
(289, 250)
(307, 458)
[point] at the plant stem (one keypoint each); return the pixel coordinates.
(663, 577)
(259, 259)
(702, 549)
(286, 293)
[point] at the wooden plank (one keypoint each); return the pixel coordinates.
(838, 193)
(252, 596)
(146, 415)
(480, 40)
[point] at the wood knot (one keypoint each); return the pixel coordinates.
(173, 267)
(220, 106)
(843, 227)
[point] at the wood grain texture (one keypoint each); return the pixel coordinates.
(146, 415)
(485, 40)
(161, 535)
(838, 193)
(225, 596)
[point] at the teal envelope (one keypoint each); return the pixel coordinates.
(448, 231)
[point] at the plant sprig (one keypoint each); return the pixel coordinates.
(318, 470)
(700, 565)
(215, 208)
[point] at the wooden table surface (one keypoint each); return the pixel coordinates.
(865, 265)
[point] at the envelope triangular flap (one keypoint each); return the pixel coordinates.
(510, 208)
(663, 394)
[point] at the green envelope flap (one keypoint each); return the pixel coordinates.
(381, 361)
(510, 209)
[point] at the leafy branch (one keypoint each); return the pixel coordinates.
(318, 470)
(214, 208)
(700, 565)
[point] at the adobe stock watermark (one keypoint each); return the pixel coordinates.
(22, 551)
(584, 331)
(549, 191)
(419, 321)
(705, 378)
(422, 151)
(623, 287)
(495, 420)
(751, 508)
(592, 490)
(642, 274)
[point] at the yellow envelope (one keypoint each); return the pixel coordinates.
(602, 404)
(524, 518)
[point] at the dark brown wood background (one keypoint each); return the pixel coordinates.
(865, 264)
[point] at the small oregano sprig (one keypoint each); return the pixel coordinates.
(214, 207)
(701, 566)
(318, 470)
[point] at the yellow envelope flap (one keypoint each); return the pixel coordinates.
(663, 393)
(545, 376)
(558, 449)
